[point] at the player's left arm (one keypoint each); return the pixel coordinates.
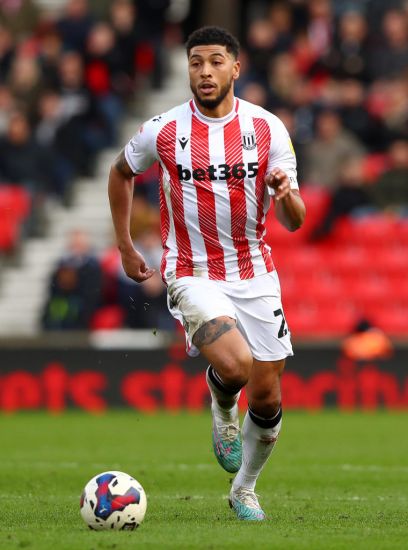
(290, 209)
(281, 178)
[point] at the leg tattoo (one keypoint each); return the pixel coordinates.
(211, 331)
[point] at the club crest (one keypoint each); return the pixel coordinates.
(248, 141)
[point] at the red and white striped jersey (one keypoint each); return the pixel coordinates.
(213, 198)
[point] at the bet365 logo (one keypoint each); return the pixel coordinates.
(221, 172)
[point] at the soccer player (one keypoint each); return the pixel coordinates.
(222, 161)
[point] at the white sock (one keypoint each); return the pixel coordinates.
(257, 446)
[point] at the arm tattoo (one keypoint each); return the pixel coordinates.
(211, 331)
(122, 165)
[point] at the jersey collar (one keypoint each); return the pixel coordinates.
(211, 120)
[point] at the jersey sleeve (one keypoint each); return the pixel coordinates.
(140, 151)
(282, 154)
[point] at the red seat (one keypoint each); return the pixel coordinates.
(392, 320)
(392, 261)
(402, 232)
(348, 260)
(277, 234)
(108, 318)
(373, 230)
(15, 204)
(307, 319)
(15, 200)
(9, 233)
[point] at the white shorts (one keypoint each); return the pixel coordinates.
(255, 304)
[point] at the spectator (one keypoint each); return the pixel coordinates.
(78, 107)
(320, 25)
(50, 49)
(22, 160)
(123, 20)
(349, 52)
(19, 16)
(75, 290)
(325, 156)
(349, 196)
(25, 83)
(390, 193)
(75, 25)
(6, 52)
(280, 17)
(391, 57)
(261, 40)
(56, 133)
(7, 105)
(357, 119)
(150, 26)
(103, 76)
(283, 79)
(64, 307)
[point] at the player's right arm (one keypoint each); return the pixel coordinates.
(120, 190)
(139, 153)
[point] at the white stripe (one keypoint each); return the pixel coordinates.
(222, 204)
(171, 242)
(183, 157)
(258, 262)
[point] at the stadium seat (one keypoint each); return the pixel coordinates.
(15, 204)
(109, 317)
(311, 320)
(392, 320)
(16, 200)
(9, 233)
(372, 230)
(391, 261)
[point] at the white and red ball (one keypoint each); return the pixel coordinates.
(113, 500)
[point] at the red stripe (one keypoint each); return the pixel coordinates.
(263, 141)
(192, 105)
(166, 148)
(236, 188)
(200, 158)
(164, 223)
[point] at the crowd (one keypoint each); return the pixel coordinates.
(335, 72)
(65, 82)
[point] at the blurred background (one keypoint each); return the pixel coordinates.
(78, 77)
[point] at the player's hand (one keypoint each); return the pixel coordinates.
(135, 266)
(279, 181)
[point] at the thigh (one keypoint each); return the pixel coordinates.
(195, 301)
(261, 319)
(225, 349)
(208, 317)
(263, 388)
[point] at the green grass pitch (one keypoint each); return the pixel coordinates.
(333, 481)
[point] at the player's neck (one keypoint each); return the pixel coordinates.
(222, 110)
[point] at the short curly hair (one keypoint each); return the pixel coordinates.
(213, 35)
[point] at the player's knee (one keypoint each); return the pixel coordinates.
(236, 369)
(266, 406)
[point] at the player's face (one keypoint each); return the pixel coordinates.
(212, 71)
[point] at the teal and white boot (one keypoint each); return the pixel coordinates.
(245, 504)
(226, 439)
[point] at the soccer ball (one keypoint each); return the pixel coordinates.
(113, 500)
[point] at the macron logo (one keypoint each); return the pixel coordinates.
(183, 142)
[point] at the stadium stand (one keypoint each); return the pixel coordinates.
(315, 65)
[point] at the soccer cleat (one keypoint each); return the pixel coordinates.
(245, 504)
(227, 445)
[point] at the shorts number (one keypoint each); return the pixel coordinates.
(283, 330)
